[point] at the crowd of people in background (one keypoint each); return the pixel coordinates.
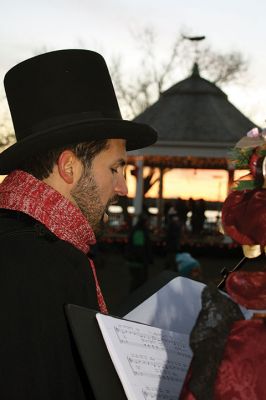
(176, 217)
(195, 209)
(139, 250)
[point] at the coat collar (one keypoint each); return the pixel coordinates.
(21, 191)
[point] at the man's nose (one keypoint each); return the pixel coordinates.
(121, 186)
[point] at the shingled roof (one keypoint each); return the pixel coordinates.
(194, 117)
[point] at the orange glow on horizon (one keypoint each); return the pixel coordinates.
(210, 185)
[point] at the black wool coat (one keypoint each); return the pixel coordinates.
(39, 274)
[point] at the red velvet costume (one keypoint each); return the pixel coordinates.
(241, 370)
(240, 374)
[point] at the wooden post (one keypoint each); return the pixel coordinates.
(138, 200)
(160, 199)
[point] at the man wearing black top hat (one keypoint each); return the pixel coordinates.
(63, 172)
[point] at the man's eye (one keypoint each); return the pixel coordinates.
(114, 170)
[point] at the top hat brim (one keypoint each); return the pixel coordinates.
(136, 135)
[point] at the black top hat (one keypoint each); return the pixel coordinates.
(65, 97)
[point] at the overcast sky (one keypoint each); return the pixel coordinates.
(106, 25)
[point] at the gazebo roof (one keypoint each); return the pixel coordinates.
(194, 118)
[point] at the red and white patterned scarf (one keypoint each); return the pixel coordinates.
(20, 191)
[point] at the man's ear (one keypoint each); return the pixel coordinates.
(67, 164)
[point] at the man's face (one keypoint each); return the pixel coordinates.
(100, 185)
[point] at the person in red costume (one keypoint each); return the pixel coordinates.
(63, 172)
(229, 351)
(243, 216)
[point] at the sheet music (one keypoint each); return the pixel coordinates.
(152, 363)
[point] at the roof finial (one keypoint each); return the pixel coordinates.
(195, 70)
(195, 40)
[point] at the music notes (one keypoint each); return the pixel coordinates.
(155, 339)
(151, 363)
(150, 393)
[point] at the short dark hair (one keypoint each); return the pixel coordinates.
(41, 165)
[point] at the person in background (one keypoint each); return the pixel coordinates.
(182, 211)
(139, 253)
(188, 266)
(172, 241)
(198, 209)
(62, 174)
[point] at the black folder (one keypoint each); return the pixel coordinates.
(96, 360)
(94, 355)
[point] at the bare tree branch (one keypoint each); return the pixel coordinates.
(223, 68)
(155, 74)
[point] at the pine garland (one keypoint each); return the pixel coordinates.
(240, 158)
(245, 185)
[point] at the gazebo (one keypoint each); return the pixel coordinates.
(197, 126)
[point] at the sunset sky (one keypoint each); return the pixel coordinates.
(31, 26)
(186, 183)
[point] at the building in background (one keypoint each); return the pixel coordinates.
(197, 127)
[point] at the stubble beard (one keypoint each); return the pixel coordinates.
(87, 197)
